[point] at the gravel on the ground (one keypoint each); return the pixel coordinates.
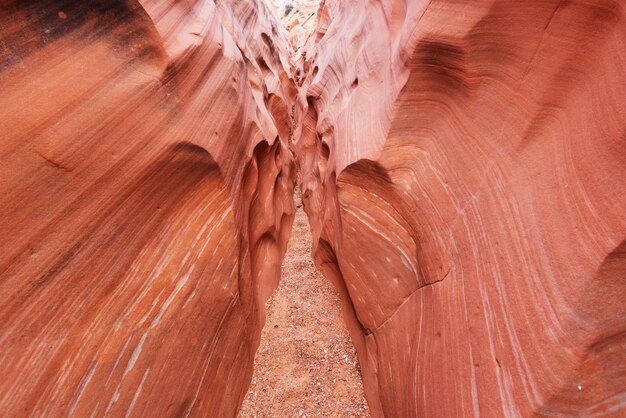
(306, 365)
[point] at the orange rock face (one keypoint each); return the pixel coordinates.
(462, 165)
(464, 173)
(146, 201)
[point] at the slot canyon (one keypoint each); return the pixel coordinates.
(449, 177)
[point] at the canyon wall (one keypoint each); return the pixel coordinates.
(146, 201)
(462, 165)
(463, 168)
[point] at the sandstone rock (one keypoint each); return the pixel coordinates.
(146, 201)
(476, 221)
(461, 164)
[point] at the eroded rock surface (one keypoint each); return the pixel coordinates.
(299, 17)
(146, 203)
(461, 164)
(463, 170)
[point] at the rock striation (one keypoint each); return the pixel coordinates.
(461, 165)
(464, 175)
(146, 203)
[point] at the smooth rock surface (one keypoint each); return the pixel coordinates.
(463, 169)
(462, 165)
(146, 203)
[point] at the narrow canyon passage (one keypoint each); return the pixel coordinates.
(462, 170)
(306, 364)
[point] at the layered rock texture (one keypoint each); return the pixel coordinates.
(464, 171)
(146, 200)
(462, 165)
(299, 18)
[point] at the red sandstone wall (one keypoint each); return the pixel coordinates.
(476, 224)
(146, 202)
(462, 165)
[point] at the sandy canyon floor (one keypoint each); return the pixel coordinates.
(306, 365)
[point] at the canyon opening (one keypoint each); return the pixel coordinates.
(400, 208)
